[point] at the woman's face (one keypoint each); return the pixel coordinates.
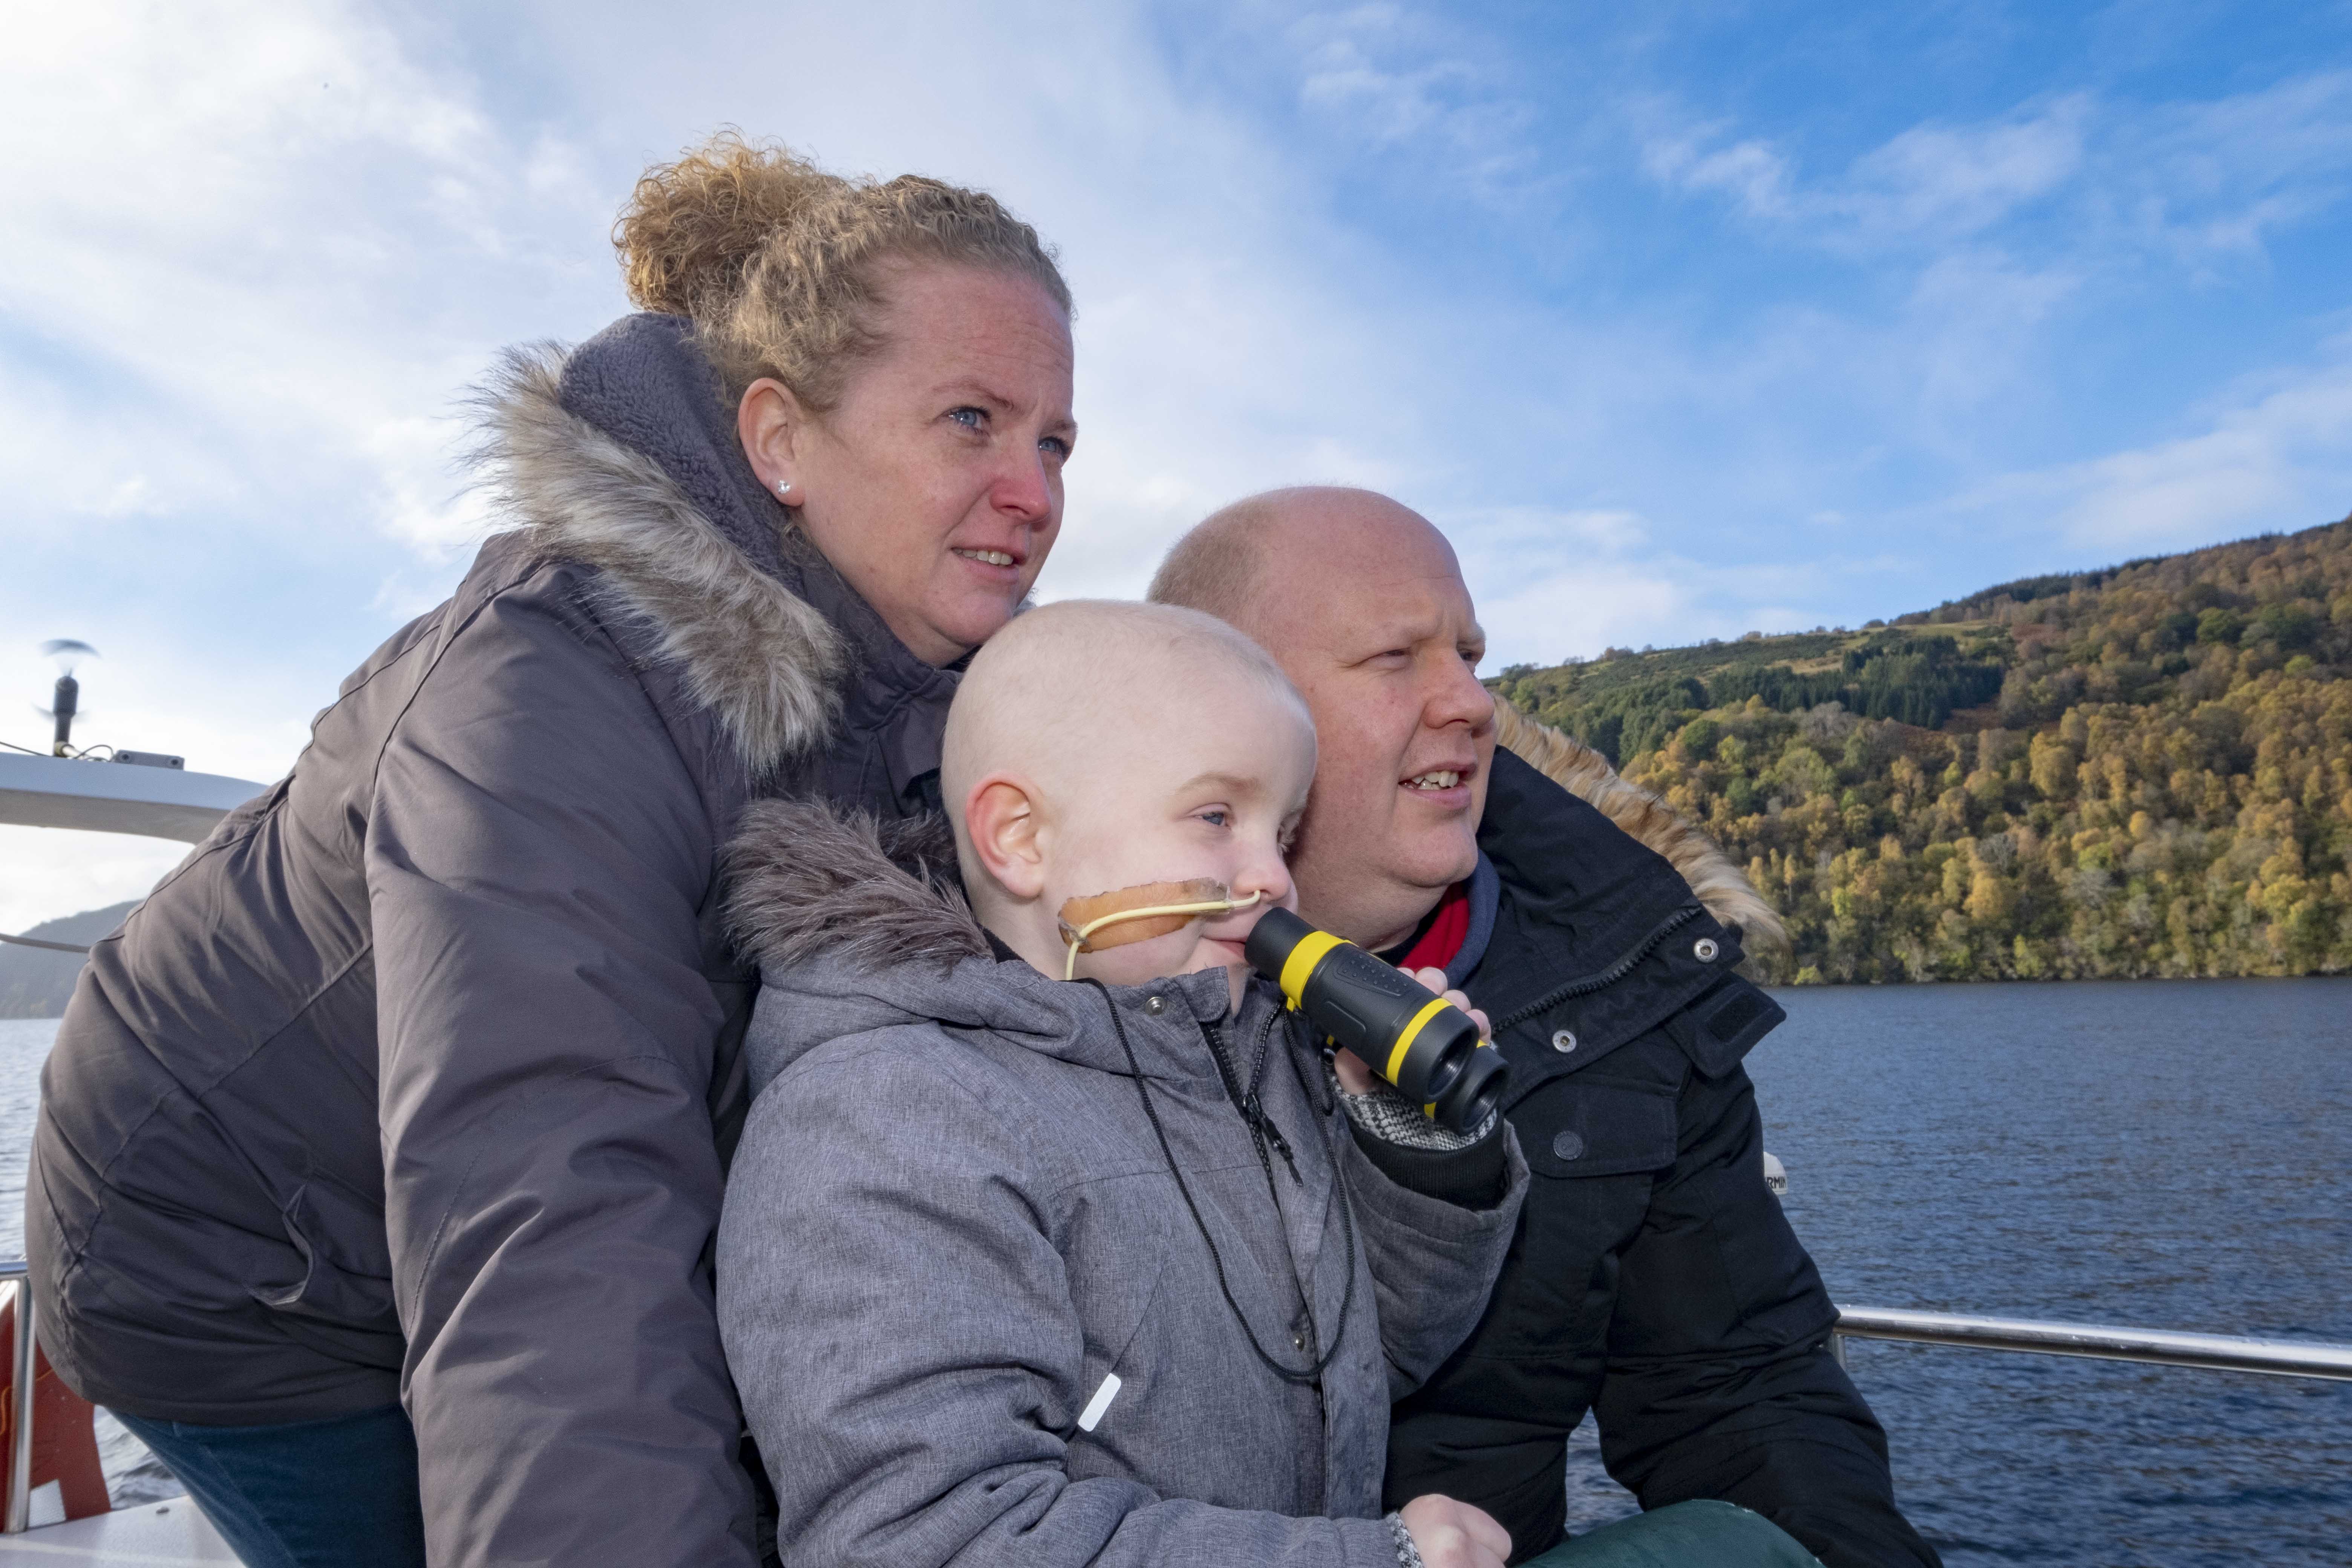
(935, 487)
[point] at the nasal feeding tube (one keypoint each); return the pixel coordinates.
(1081, 918)
(1411, 1036)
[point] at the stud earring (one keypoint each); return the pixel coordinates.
(784, 490)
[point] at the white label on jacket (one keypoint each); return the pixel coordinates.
(1092, 1415)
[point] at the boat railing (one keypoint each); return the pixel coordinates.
(2153, 1347)
(21, 1363)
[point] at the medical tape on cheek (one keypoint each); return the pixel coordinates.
(1141, 912)
(1127, 908)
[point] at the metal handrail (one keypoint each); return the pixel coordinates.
(37, 941)
(2153, 1347)
(20, 1433)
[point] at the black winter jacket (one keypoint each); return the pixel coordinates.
(417, 1079)
(1654, 1279)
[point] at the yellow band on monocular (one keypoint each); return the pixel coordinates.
(1404, 1041)
(1303, 960)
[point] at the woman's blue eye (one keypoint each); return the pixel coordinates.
(1054, 445)
(969, 419)
(1216, 819)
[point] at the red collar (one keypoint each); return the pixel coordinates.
(1443, 936)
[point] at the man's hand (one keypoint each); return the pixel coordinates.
(1450, 1534)
(1357, 1079)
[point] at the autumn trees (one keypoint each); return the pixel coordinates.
(2145, 770)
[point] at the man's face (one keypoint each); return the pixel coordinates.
(1364, 605)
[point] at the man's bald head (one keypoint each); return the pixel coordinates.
(1361, 602)
(1244, 561)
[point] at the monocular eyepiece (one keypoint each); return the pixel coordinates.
(1406, 1033)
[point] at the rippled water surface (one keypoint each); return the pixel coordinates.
(2163, 1155)
(2166, 1155)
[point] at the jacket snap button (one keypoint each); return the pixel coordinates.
(1155, 1005)
(1705, 949)
(1298, 1342)
(1567, 1146)
(1564, 1041)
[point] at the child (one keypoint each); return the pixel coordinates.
(1020, 1270)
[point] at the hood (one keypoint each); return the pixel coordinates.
(1584, 772)
(859, 925)
(620, 455)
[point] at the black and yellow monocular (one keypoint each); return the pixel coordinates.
(1403, 1031)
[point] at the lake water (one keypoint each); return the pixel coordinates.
(2166, 1154)
(2163, 1155)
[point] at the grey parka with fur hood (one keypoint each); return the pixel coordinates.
(951, 1220)
(417, 1077)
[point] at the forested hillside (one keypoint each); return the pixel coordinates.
(2140, 771)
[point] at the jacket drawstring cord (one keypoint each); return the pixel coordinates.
(1310, 1375)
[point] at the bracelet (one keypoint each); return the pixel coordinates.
(1408, 1554)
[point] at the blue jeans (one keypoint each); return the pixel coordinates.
(1701, 1534)
(337, 1493)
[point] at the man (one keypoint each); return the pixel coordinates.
(1654, 1279)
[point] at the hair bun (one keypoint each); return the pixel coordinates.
(776, 261)
(692, 228)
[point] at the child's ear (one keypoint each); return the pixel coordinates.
(1001, 817)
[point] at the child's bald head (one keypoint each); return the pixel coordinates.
(1068, 691)
(1097, 745)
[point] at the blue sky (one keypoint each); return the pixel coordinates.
(1682, 320)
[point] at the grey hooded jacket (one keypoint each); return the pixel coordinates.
(950, 1221)
(417, 1079)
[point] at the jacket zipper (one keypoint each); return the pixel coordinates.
(1605, 978)
(1263, 1133)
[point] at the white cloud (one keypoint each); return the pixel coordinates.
(2278, 457)
(270, 237)
(2214, 181)
(425, 503)
(2200, 181)
(1949, 182)
(1750, 172)
(1551, 586)
(1393, 78)
(1972, 330)
(1931, 184)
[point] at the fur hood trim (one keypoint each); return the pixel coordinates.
(804, 881)
(767, 663)
(1718, 884)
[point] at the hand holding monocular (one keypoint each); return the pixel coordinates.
(1403, 1031)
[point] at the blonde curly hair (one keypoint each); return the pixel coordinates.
(780, 264)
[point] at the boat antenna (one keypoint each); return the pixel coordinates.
(68, 700)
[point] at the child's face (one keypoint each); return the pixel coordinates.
(1215, 791)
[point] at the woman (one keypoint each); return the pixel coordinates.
(417, 1079)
